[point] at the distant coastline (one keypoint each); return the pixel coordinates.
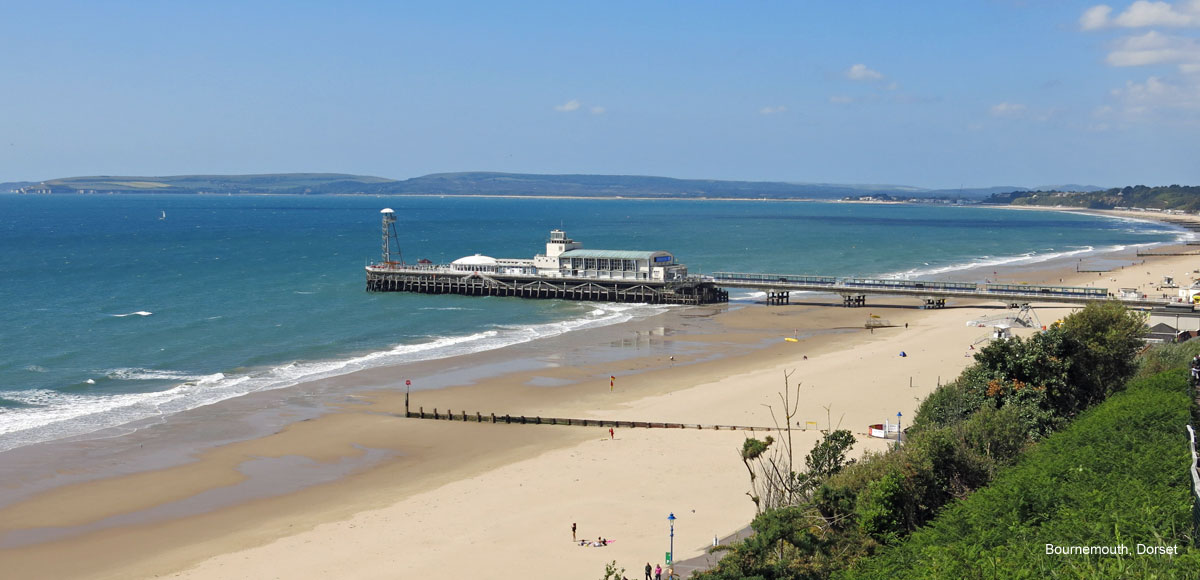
(492, 184)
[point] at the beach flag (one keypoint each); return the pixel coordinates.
(612, 381)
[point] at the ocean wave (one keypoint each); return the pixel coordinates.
(984, 262)
(140, 374)
(138, 313)
(38, 415)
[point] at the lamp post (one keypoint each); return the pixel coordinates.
(671, 554)
(899, 431)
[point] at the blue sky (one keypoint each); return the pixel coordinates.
(931, 94)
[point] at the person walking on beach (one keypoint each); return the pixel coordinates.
(610, 433)
(647, 570)
(657, 572)
(573, 531)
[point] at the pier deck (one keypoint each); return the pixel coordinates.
(855, 289)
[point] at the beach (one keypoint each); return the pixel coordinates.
(354, 489)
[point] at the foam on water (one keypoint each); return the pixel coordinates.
(38, 415)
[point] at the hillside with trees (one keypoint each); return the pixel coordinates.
(1170, 197)
(486, 183)
(1038, 441)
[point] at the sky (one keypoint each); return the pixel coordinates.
(943, 94)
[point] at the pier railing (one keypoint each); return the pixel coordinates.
(857, 286)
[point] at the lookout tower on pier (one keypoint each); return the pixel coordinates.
(558, 243)
(390, 236)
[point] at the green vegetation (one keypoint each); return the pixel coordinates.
(1116, 477)
(1171, 197)
(1011, 449)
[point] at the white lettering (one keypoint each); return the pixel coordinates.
(1157, 550)
(1119, 549)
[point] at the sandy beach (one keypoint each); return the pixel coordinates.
(381, 496)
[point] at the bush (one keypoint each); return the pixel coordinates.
(948, 404)
(1162, 357)
(881, 509)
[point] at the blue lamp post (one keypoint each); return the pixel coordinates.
(671, 554)
(899, 431)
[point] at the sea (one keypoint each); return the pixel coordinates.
(119, 308)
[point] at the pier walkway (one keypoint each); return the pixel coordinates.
(854, 290)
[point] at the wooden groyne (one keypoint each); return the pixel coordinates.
(493, 418)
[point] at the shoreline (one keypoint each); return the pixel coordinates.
(727, 367)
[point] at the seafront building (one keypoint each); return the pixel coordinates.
(566, 258)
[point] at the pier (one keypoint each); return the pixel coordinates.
(444, 280)
(933, 293)
(567, 271)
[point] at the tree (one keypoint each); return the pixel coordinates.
(1102, 341)
(774, 481)
(752, 455)
(612, 573)
(828, 456)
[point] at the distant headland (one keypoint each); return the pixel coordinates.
(483, 183)
(499, 184)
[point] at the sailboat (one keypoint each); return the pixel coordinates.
(164, 216)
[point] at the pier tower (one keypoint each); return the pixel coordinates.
(390, 235)
(548, 264)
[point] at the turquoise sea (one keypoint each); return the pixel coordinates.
(113, 313)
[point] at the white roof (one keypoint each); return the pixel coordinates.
(476, 260)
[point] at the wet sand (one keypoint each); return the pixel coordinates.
(326, 479)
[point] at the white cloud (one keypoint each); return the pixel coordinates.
(1157, 93)
(1095, 17)
(772, 110)
(568, 106)
(1154, 48)
(598, 110)
(1007, 110)
(860, 72)
(841, 99)
(1142, 14)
